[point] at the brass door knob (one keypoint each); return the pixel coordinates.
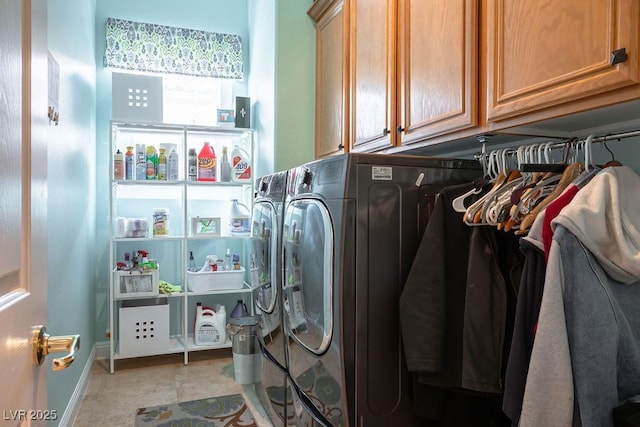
(43, 344)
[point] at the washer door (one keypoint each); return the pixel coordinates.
(307, 264)
(264, 255)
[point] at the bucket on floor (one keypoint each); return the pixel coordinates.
(247, 359)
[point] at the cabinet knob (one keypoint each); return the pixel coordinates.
(399, 129)
(618, 56)
(340, 146)
(385, 132)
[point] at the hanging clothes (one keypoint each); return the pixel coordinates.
(457, 308)
(585, 349)
(526, 319)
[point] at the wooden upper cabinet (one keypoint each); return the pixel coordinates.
(332, 65)
(550, 53)
(437, 67)
(373, 88)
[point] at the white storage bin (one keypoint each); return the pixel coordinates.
(136, 97)
(143, 327)
(136, 283)
(215, 280)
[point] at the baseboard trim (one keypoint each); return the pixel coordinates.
(73, 407)
(102, 350)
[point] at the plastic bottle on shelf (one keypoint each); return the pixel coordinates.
(192, 263)
(240, 165)
(227, 260)
(160, 222)
(207, 163)
(225, 167)
(173, 165)
(162, 165)
(129, 164)
(239, 218)
(141, 162)
(152, 162)
(118, 165)
(209, 329)
(193, 164)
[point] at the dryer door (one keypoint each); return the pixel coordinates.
(307, 256)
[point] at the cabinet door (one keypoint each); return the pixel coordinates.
(437, 67)
(545, 53)
(372, 56)
(331, 81)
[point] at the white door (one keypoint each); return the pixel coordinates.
(23, 211)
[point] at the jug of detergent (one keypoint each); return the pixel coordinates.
(240, 165)
(210, 326)
(239, 218)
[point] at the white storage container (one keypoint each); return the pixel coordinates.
(215, 280)
(144, 327)
(136, 283)
(136, 97)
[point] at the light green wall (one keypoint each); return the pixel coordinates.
(71, 191)
(282, 82)
(294, 84)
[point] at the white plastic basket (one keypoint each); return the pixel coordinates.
(215, 280)
(136, 283)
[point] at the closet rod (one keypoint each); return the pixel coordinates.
(597, 139)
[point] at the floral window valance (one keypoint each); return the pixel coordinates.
(157, 48)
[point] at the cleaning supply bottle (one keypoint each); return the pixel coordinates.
(227, 260)
(225, 167)
(173, 165)
(193, 165)
(209, 328)
(118, 165)
(141, 162)
(239, 218)
(240, 165)
(207, 163)
(240, 310)
(162, 165)
(152, 162)
(210, 264)
(192, 262)
(129, 164)
(160, 222)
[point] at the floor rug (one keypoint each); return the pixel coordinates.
(227, 411)
(321, 388)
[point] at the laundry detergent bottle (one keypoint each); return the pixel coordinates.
(240, 165)
(210, 325)
(239, 218)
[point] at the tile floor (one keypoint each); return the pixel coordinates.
(112, 399)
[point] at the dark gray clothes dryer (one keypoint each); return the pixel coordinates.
(352, 225)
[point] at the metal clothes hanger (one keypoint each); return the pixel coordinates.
(613, 161)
